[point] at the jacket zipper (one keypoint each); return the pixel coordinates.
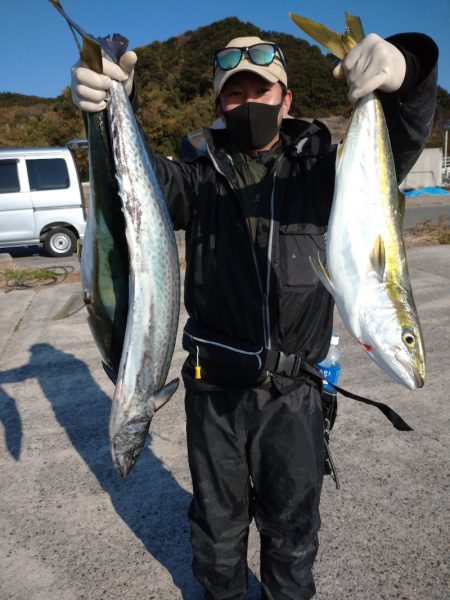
(269, 264)
(264, 293)
(269, 253)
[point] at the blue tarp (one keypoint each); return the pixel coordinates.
(435, 191)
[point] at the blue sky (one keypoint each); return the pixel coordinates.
(37, 50)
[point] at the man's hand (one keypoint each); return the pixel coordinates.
(373, 64)
(89, 88)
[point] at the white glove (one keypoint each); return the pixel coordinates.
(89, 88)
(373, 64)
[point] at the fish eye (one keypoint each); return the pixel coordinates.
(409, 339)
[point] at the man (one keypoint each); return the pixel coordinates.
(254, 198)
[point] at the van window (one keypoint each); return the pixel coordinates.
(47, 174)
(9, 179)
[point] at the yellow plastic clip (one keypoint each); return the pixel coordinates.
(198, 369)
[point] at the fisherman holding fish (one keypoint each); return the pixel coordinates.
(254, 195)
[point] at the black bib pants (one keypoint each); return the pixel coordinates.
(256, 453)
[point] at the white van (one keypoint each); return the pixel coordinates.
(41, 199)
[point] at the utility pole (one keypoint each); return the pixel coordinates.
(446, 170)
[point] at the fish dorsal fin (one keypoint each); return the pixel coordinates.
(377, 257)
(401, 207)
(339, 44)
(322, 273)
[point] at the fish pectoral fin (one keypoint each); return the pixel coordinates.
(322, 273)
(73, 305)
(165, 394)
(377, 258)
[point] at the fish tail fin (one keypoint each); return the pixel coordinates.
(339, 44)
(354, 27)
(91, 55)
(91, 50)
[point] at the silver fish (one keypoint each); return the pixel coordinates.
(366, 269)
(154, 278)
(154, 289)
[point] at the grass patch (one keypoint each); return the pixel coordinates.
(35, 274)
(427, 234)
(13, 278)
(26, 278)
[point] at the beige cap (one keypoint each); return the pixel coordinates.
(273, 72)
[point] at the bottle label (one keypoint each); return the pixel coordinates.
(331, 375)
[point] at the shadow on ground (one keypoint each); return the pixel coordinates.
(12, 423)
(150, 501)
(21, 251)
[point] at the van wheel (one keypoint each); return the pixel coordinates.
(60, 242)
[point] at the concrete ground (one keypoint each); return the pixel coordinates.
(71, 529)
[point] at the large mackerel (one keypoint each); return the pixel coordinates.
(154, 279)
(366, 270)
(154, 287)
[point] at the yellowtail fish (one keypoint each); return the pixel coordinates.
(366, 270)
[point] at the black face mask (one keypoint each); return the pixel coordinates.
(253, 124)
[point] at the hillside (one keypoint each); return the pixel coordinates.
(175, 92)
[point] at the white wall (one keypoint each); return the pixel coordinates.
(427, 171)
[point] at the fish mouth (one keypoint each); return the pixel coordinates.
(123, 465)
(416, 377)
(123, 459)
(419, 379)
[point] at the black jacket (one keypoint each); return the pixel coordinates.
(243, 297)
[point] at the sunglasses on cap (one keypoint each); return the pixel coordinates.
(259, 54)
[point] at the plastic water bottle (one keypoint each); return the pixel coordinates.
(330, 367)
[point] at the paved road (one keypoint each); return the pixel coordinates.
(70, 529)
(426, 208)
(35, 257)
